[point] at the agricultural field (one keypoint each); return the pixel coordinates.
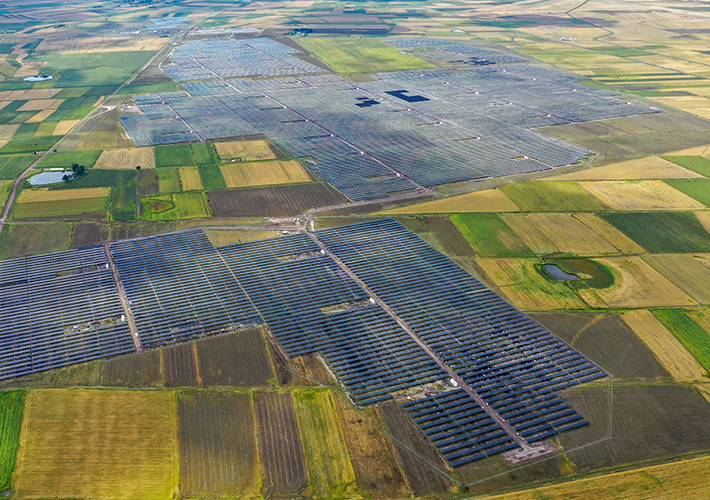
(30, 239)
(12, 166)
(490, 236)
(11, 409)
(127, 158)
(684, 271)
(103, 444)
(698, 189)
(653, 167)
(552, 197)
(65, 159)
(218, 448)
(211, 178)
(568, 234)
(492, 200)
(698, 164)
(176, 155)
(204, 153)
(168, 180)
(5, 188)
(263, 173)
(641, 195)
(244, 150)
(277, 200)
(91, 203)
(229, 237)
(190, 179)
(174, 206)
(693, 338)
(450, 237)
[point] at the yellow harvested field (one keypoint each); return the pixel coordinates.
(126, 158)
(531, 235)
(229, 237)
(683, 480)
(681, 365)
(98, 444)
(64, 126)
(40, 104)
(93, 44)
(523, 286)
(39, 195)
(704, 219)
(643, 168)
(685, 272)
(491, 200)
(7, 131)
(618, 239)
(696, 151)
(695, 105)
(29, 68)
(263, 173)
(4, 103)
(704, 389)
(641, 195)
(569, 235)
(249, 150)
(636, 285)
(41, 116)
(29, 95)
(190, 179)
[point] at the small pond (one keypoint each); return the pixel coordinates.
(47, 178)
(558, 273)
(39, 78)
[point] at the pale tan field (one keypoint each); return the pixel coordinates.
(683, 480)
(696, 151)
(524, 287)
(40, 116)
(41, 104)
(89, 45)
(263, 173)
(39, 195)
(643, 168)
(569, 235)
(190, 179)
(98, 444)
(7, 131)
(701, 317)
(29, 68)
(618, 239)
(221, 238)
(665, 346)
(641, 195)
(249, 150)
(636, 285)
(704, 219)
(3, 104)
(491, 200)
(126, 158)
(685, 272)
(531, 235)
(64, 126)
(31, 94)
(698, 106)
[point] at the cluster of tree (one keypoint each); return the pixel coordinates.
(76, 171)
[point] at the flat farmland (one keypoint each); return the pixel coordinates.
(653, 167)
(247, 150)
(526, 288)
(5, 188)
(446, 232)
(134, 370)
(608, 341)
(218, 448)
(569, 235)
(641, 195)
(491, 200)
(228, 237)
(529, 234)
(618, 239)
(11, 409)
(29, 239)
(636, 285)
(682, 366)
(175, 206)
(190, 179)
(263, 173)
(148, 182)
(277, 200)
(64, 126)
(330, 471)
(204, 153)
(89, 233)
(372, 453)
(698, 189)
(693, 338)
(102, 444)
(490, 236)
(126, 158)
(663, 232)
(168, 180)
(40, 203)
(13, 165)
(181, 369)
(423, 466)
(699, 164)
(240, 359)
(650, 422)
(174, 155)
(685, 272)
(211, 177)
(552, 197)
(283, 462)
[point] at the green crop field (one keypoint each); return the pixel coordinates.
(93, 208)
(212, 178)
(91, 179)
(490, 236)
(552, 197)
(11, 407)
(662, 232)
(352, 55)
(124, 196)
(168, 180)
(205, 153)
(174, 155)
(175, 206)
(13, 165)
(5, 188)
(695, 188)
(98, 68)
(698, 164)
(67, 159)
(695, 339)
(330, 471)
(30, 239)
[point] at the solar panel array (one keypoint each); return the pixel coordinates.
(458, 54)
(179, 288)
(168, 23)
(59, 309)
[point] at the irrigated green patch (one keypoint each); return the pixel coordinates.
(30, 144)
(67, 159)
(695, 188)
(173, 206)
(698, 164)
(174, 155)
(212, 178)
(552, 197)
(205, 153)
(662, 232)
(591, 274)
(360, 55)
(11, 406)
(490, 236)
(90, 69)
(693, 338)
(13, 165)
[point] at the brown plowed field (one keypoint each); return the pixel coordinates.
(181, 366)
(277, 200)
